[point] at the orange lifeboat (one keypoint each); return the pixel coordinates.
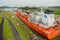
(49, 33)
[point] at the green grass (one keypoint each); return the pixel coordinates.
(23, 35)
(0, 17)
(7, 32)
(56, 12)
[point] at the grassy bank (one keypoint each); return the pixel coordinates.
(7, 32)
(22, 34)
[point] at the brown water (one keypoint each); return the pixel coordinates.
(57, 38)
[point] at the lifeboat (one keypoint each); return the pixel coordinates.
(49, 33)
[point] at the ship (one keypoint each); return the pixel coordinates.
(43, 22)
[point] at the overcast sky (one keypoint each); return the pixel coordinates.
(37, 3)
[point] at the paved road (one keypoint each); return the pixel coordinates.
(1, 29)
(16, 35)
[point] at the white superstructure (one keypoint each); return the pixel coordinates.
(45, 18)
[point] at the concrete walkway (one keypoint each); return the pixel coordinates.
(1, 29)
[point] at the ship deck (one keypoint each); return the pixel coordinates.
(48, 33)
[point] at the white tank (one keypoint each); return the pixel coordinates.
(48, 19)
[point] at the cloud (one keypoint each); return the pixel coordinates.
(37, 3)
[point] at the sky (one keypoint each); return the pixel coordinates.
(36, 3)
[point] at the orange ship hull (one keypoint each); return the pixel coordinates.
(48, 33)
